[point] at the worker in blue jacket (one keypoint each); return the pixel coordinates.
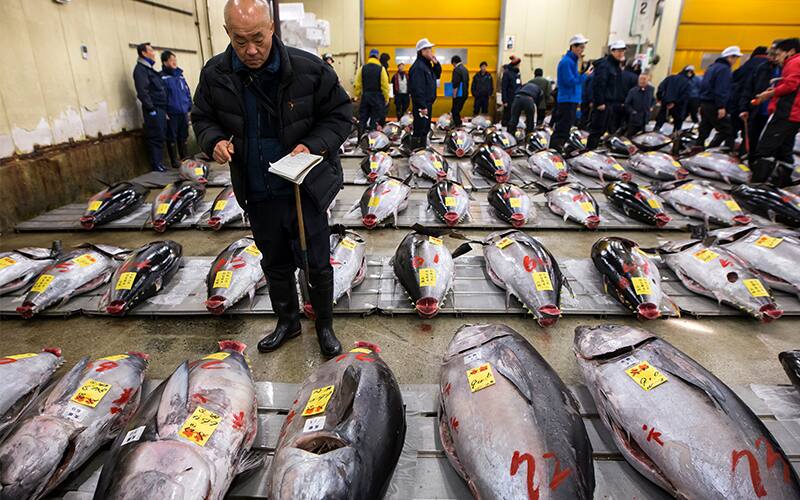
(715, 91)
(569, 83)
(179, 103)
(608, 91)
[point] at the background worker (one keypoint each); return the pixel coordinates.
(608, 92)
(422, 78)
(569, 83)
(509, 84)
(714, 94)
(460, 84)
(179, 103)
(528, 99)
(372, 88)
(544, 84)
(153, 97)
(638, 105)
(400, 87)
(482, 89)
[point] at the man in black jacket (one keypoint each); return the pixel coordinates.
(422, 78)
(528, 100)
(460, 83)
(151, 93)
(482, 88)
(741, 88)
(638, 105)
(509, 85)
(608, 92)
(673, 92)
(759, 81)
(256, 102)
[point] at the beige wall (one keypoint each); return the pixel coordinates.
(49, 94)
(542, 29)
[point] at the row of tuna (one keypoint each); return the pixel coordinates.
(508, 424)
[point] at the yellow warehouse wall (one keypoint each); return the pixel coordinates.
(49, 94)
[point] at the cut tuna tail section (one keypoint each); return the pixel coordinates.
(56, 351)
(232, 345)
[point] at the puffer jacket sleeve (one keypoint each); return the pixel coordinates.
(332, 113)
(204, 118)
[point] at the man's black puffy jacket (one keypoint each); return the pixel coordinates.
(607, 84)
(312, 109)
(422, 81)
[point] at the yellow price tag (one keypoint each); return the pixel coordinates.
(498, 162)
(768, 241)
(253, 250)
(218, 355)
(200, 425)
(434, 241)
(617, 166)
(373, 165)
(371, 140)
(559, 165)
(744, 167)
(16, 357)
(705, 255)
(318, 401)
(94, 205)
(84, 260)
(641, 285)
(515, 203)
(542, 281)
(646, 375)
(437, 165)
(198, 170)
(504, 243)
(374, 201)
(733, 206)
(587, 206)
(162, 208)
(460, 142)
(480, 377)
(427, 276)
(755, 287)
(653, 203)
(676, 164)
(348, 243)
(90, 393)
(449, 201)
(42, 283)
(704, 155)
(125, 281)
(115, 357)
(6, 262)
(220, 204)
(687, 187)
(223, 279)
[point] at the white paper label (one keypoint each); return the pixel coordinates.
(76, 412)
(133, 435)
(314, 424)
(472, 357)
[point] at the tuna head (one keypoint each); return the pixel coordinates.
(637, 202)
(449, 201)
(493, 163)
(607, 341)
(376, 165)
(510, 203)
(459, 142)
(471, 336)
(112, 203)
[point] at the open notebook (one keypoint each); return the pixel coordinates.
(295, 168)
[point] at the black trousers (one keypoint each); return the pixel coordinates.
(636, 123)
(693, 108)
(522, 104)
(676, 113)
(401, 104)
(756, 124)
(480, 104)
(777, 141)
(709, 121)
(422, 124)
(455, 110)
(155, 131)
(586, 116)
(372, 110)
(607, 120)
(565, 119)
(506, 114)
(274, 226)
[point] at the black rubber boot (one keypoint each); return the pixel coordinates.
(171, 151)
(321, 294)
(762, 169)
(283, 294)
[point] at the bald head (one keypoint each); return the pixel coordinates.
(249, 26)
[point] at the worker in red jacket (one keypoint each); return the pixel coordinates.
(777, 140)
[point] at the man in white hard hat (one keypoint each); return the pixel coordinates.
(714, 93)
(608, 94)
(569, 83)
(422, 78)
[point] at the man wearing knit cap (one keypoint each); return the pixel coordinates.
(509, 84)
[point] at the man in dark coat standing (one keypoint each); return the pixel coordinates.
(422, 83)
(528, 100)
(460, 83)
(608, 92)
(673, 93)
(714, 94)
(509, 84)
(482, 89)
(761, 80)
(638, 104)
(739, 105)
(255, 103)
(151, 93)
(544, 84)
(179, 103)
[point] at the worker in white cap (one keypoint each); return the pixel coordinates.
(422, 78)
(714, 94)
(569, 82)
(608, 94)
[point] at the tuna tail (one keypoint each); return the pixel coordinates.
(56, 351)
(232, 345)
(55, 248)
(101, 181)
(461, 250)
(540, 188)
(429, 231)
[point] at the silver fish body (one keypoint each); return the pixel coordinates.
(194, 170)
(719, 166)
(376, 165)
(657, 165)
(702, 200)
(224, 209)
(235, 273)
(449, 201)
(574, 202)
(19, 267)
(598, 165)
(428, 163)
(426, 270)
(22, 377)
(549, 165)
(383, 198)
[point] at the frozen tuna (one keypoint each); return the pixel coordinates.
(18, 268)
(651, 141)
(766, 200)
(385, 197)
(600, 166)
(376, 165)
(574, 202)
(449, 201)
(444, 122)
(493, 163)
(234, 274)
(510, 203)
(500, 138)
(637, 202)
(349, 262)
(428, 163)
(176, 202)
(194, 171)
(657, 165)
(791, 365)
(548, 164)
(393, 131)
(620, 146)
(459, 143)
(375, 140)
(112, 203)
(537, 141)
(224, 209)
(714, 165)
(702, 200)
(22, 378)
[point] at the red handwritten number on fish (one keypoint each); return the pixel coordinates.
(105, 366)
(754, 467)
(559, 475)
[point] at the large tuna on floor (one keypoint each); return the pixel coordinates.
(22, 378)
(711, 270)
(19, 267)
(459, 143)
(549, 165)
(719, 166)
(194, 171)
(791, 365)
(676, 423)
(112, 203)
(428, 163)
(537, 141)
(344, 433)
(449, 201)
(637, 202)
(500, 138)
(493, 163)
(572, 201)
(631, 277)
(510, 203)
(378, 164)
(508, 424)
(393, 131)
(176, 202)
(618, 145)
(224, 209)
(425, 269)
(374, 141)
(385, 197)
(766, 200)
(141, 275)
(651, 141)
(234, 274)
(702, 200)
(85, 409)
(657, 165)
(444, 122)
(524, 268)
(76, 272)
(600, 166)
(192, 435)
